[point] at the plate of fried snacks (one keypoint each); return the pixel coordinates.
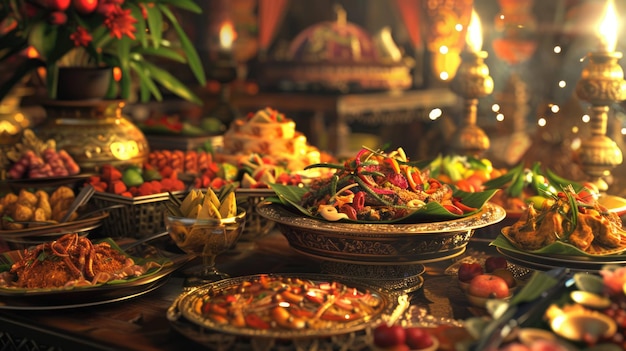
(285, 306)
(567, 228)
(76, 270)
(40, 213)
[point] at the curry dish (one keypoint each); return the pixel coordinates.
(71, 260)
(585, 225)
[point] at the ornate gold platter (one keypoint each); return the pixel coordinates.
(191, 307)
(372, 243)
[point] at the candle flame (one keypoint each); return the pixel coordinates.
(474, 36)
(227, 35)
(608, 28)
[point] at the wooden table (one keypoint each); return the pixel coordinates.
(141, 324)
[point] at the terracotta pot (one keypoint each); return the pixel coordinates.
(83, 83)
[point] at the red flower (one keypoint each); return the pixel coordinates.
(81, 37)
(107, 8)
(120, 23)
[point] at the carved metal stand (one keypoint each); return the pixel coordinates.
(472, 81)
(602, 83)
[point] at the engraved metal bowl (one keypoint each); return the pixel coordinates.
(372, 243)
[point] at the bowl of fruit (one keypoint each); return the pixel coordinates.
(482, 281)
(396, 337)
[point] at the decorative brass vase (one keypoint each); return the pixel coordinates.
(94, 133)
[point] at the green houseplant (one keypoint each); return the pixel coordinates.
(127, 35)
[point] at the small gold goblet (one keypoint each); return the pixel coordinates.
(205, 238)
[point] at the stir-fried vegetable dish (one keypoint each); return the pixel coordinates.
(377, 186)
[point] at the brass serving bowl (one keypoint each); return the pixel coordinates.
(375, 243)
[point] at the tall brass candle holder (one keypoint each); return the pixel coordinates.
(472, 81)
(602, 84)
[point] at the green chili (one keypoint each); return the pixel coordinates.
(369, 190)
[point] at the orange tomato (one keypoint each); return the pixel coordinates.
(476, 181)
(465, 185)
(482, 175)
(444, 178)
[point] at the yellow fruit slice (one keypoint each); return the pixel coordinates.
(194, 211)
(228, 208)
(208, 211)
(189, 201)
(214, 199)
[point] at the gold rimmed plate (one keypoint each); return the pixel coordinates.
(561, 248)
(543, 262)
(558, 254)
(62, 297)
(185, 308)
(92, 221)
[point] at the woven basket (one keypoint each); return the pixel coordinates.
(137, 217)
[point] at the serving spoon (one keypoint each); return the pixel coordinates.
(82, 198)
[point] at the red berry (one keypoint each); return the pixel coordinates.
(389, 335)
(418, 338)
(495, 262)
(58, 18)
(85, 6)
(59, 5)
(467, 271)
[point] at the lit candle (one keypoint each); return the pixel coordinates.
(227, 36)
(474, 36)
(608, 28)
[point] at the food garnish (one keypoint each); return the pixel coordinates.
(523, 185)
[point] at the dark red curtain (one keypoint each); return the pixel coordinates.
(271, 13)
(410, 11)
